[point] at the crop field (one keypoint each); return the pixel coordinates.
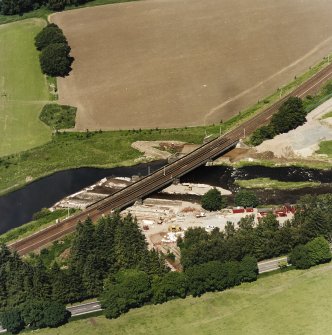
(294, 302)
(23, 88)
(177, 63)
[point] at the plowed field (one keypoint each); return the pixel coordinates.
(172, 63)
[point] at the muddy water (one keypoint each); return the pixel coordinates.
(18, 207)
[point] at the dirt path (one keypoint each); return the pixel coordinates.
(152, 149)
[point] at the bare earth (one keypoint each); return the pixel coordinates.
(171, 63)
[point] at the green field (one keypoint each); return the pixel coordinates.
(294, 302)
(274, 184)
(23, 88)
(325, 148)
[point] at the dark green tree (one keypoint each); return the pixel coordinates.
(49, 35)
(291, 114)
(248, 269)
(212, 200)
(12, 320)
(127, 289)
(170, 286)
(55, 314)
(299, 257)
(319, 251)
(41, 286)
(55, 60)
(246, 198)
(56, 4)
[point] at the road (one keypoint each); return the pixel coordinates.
(166, 175)
(86, 308)
(270, 265)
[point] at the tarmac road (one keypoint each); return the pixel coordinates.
(270, 265)
(86, 308)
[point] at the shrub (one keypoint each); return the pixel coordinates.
(58, 116)
(41, 214)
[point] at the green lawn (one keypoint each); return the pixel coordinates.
(23, 88)
(294, 302)
(325, 147)
(274, 184)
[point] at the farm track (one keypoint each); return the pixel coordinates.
(167, 174)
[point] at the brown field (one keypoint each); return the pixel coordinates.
(172, 63)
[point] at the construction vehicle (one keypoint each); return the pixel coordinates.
(174, 228)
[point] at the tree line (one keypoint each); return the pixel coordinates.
(265, 240)
(111, 260)
(54, 57)
(13, 7)
(97, 252)
(290, 115)
(134, 288)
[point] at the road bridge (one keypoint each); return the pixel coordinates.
(167, 174)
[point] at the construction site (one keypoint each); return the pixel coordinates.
(163, 221)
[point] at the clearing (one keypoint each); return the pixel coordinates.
(178, 63)
(297, 143)
(23, 88)
(294, 302)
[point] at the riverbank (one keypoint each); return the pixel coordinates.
(114, 148)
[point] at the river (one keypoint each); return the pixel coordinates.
(18, 207)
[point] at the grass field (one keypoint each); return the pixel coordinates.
(23, 88)
(185, 66)
(325, 147)
(294, 302)
(268, 183)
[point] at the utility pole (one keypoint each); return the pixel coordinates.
(244, 132)
(149, 170)
(164, 171)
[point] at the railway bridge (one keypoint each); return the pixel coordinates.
(167, 174)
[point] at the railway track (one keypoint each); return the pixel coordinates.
(167, 174)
